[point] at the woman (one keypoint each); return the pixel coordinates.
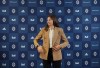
(50, 51)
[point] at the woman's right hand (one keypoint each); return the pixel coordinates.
(40, 49)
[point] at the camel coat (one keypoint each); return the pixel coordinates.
(58, 36)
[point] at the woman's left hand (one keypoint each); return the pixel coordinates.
(57, 47)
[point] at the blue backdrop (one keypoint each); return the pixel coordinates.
(21, 20)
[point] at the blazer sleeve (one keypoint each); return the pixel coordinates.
(65, 40)
(39, 36)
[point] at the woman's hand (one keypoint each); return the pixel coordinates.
(40, 49)
(57, 47)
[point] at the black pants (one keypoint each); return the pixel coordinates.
(47, 63)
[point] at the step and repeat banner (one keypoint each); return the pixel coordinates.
(21, 20)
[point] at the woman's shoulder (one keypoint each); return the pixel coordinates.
(59, 28)
(42, 29)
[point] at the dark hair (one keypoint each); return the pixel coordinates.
(55, 21)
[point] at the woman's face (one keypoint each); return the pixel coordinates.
(49, 21)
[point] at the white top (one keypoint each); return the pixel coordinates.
(51, 33)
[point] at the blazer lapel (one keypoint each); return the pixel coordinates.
(47, 35)
(54, 36)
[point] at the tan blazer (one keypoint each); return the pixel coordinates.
(58, 36)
